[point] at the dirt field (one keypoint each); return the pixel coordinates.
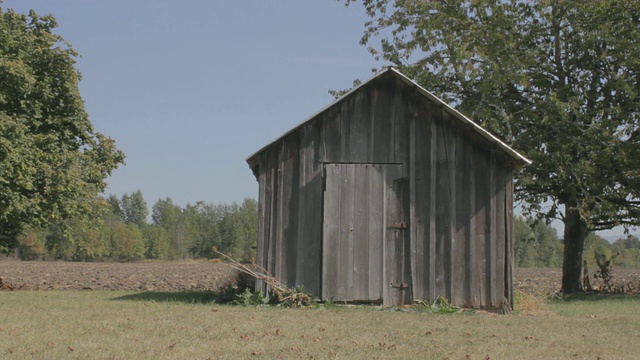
(545, 281)
(202, 276)
(144, 276)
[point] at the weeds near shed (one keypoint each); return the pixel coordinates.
(279, 294)
(438, 306)
(249, 298)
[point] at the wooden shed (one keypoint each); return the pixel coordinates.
(389, 195)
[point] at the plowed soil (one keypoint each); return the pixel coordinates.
(209, 276)
(144, 276)
(546, 281)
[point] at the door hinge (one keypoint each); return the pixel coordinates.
(400, 286)
(399, 225)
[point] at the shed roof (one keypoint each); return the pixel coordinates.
(520, 159)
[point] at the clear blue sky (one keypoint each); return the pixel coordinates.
(188, 89)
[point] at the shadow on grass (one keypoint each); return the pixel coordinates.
(189, 297)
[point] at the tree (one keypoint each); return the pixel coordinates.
(628, 250)
(157, 242)
(525, 249)
(52, 162)
(134, 209)
(116, 206)
(127, 243)
(559, 80)
(170, 216)
(536, 244)
(203, 222)
(32, 245)
(597, 245)
(247, 234)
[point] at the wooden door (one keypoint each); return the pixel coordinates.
(361, 246)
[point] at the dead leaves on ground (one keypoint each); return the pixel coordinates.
(11, 287)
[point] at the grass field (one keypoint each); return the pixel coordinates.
(135, 325)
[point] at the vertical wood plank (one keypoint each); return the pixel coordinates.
(345, 259)
(376, 232)
(461, 235)
(387, 251)
(360, 135)
(443, 211)
(303, 241)
(290, 195)
(491, 236)
(434, 173)
(310, 202)
(482, 202)
(273, 193)
(331, 134)
(391, 295)
(450, 136)
(404, 105)
(347, 109)
(361, 229)
(500, 236)
(509, 245)
(421, 178)
(383, 119)
(415, 280)
(394, 238)
(278, 230)
(405, 243)
(473, 298)
(331, 233)
(313, 210)
(263, 216)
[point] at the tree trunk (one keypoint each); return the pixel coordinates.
(575, 232)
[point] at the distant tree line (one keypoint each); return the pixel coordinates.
(537, 245)
(120, 231)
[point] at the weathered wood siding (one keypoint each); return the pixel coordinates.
(457, 202)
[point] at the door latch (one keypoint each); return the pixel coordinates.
(400, 286)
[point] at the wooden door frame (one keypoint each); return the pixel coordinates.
(389, 183)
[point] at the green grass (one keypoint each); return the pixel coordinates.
(134, 325)
(598, 304)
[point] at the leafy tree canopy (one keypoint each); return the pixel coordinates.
(559, 80)
(52, 162)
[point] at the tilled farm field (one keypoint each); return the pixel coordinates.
(143, 276)
(207, 276)
(543, 281)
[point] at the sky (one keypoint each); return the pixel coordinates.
(189, 89)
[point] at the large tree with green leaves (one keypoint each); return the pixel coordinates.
(559, 80)
(52, 162)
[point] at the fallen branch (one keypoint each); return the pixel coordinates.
(296, 297)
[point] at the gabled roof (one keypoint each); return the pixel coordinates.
(455, 113)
